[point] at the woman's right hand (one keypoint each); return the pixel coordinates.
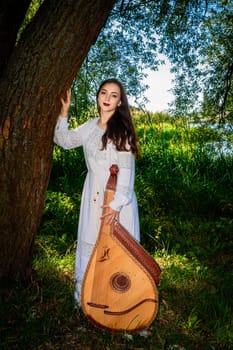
(65, 104)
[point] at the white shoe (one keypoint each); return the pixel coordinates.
(128, 336)
(144, 333)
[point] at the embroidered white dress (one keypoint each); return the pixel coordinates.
(98, 162)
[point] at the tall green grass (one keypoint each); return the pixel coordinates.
(185, 197)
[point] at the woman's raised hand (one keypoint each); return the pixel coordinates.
(65, 104)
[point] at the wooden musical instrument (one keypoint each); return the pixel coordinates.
(119, 291)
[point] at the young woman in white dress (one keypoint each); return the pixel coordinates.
(106, 140)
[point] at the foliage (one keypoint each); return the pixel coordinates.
(202, 58)
(125, 47)
(196, 36)
(33, 7)
(186, 216)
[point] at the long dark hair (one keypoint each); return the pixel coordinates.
(120, 128)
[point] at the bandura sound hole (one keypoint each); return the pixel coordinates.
(120, 282)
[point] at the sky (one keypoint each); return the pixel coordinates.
(159, 83)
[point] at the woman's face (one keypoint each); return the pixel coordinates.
(109, 97)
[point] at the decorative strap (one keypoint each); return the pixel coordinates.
(112, 181)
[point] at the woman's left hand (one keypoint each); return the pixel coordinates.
(110, 215)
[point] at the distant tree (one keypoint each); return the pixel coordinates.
(218, 62)
(197, 38)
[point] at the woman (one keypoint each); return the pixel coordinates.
(106, 140)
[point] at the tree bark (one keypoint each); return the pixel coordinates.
(40, 69)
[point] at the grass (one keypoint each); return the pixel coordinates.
(192, 300)
(185, 200)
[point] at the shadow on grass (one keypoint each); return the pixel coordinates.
(41, 315)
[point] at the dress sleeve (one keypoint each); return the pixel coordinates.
(125, 181)
(65, 137)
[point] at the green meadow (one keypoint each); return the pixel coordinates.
(184, 186)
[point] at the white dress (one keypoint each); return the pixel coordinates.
(98, 162)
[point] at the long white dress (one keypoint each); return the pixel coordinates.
(98, 162)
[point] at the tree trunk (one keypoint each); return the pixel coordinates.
(43, 65)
